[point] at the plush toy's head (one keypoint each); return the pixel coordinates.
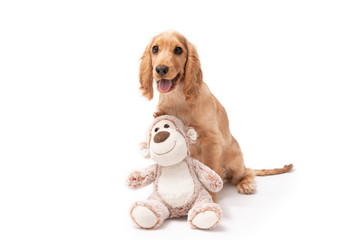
(168, 141)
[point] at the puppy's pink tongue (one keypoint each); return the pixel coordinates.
(165, 85)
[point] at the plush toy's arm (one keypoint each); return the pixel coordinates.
(138, 179)
(209, 178)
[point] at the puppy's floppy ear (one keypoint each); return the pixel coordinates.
(144, 150)
(193, 74)
(191, 134)
(145, 74)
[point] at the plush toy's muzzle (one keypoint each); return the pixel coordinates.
(164, 132)
(167, 145)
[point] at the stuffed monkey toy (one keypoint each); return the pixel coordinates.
(179, 181)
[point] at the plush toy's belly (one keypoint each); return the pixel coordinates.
(176, 185)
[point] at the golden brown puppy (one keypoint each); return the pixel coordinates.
(173, 63)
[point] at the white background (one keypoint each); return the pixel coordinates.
(71, 114)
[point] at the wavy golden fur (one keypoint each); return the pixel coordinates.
(190, 99)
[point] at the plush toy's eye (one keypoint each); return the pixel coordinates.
(166, 126)
(156, 129)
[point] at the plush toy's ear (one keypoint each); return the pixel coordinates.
(191, 134)
(144, 150)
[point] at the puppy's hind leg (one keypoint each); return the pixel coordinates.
(246, 184)
(239, 175)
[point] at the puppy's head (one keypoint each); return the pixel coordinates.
(170, 59)
(168, 141)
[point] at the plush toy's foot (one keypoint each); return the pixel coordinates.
(205, 220)
(149, 214)
(144, 217)
(205, 215)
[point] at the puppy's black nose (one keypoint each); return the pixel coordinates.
(161, 136)
(162, 70)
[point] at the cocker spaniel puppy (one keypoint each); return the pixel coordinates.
(173, 63)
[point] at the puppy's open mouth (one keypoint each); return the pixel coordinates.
(165, 85)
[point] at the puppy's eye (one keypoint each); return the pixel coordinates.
(166, 126)
(156, 129)
(178, 50)
(155, 49)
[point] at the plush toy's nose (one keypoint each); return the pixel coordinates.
(161, 136)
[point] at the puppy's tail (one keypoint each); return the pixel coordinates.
(267, 172)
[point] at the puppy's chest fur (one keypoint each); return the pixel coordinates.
(176, 185)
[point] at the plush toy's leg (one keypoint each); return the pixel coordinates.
(205, 214)
(149, 214)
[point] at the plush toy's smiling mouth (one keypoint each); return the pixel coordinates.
(167, 151)
(165, 85)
